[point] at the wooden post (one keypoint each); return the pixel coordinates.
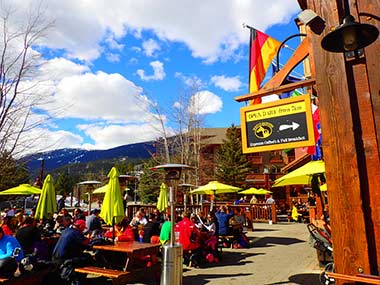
(348, 91)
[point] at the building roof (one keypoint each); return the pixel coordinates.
(213, 135)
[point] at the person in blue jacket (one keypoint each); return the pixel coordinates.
(223, 215)
(10, 254)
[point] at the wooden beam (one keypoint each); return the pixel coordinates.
(368, 279)
(274, 85)
(346, 90)
(276, 90)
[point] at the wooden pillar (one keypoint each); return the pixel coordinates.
(348, 91)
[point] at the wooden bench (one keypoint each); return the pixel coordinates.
(29, 278)
(222, 239)
(360, 278)
(117, 276)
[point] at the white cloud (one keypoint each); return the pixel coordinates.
(103, 96)
(42, 139)
(191, 81)
(59, 68)
(115, 135)
(158, 72)
(113, 57)
(149, 47)
(113, 44)
(227, 83)
(205, 102)
(80, 28)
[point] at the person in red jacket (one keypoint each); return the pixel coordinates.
(189, 239)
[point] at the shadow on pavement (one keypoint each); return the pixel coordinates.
(202, 279)
(264, 230)
(270, 241)
(301, 279)
(232, 258)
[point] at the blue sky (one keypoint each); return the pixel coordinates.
(105, 62)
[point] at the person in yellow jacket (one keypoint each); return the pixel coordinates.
(295, 214)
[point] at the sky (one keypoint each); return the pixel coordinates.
(106, 62)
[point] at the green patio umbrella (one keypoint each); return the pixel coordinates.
(22, 189)
(112, 210)
(103, 190)
(47, 204)
(214, 188)
(162, 202)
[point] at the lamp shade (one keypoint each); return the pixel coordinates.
(350, 36)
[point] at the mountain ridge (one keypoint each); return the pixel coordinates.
(58, 158)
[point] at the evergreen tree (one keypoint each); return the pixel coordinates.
(232, 165)
(149, 184)
(64, 184)
(12, 172)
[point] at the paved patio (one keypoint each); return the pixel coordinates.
(281, 254)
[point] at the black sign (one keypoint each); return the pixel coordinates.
(285, 123)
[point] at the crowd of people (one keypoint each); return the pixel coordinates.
(72, 235)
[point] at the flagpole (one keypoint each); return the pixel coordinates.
(283, 44)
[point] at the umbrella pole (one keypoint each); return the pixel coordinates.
(113, 229)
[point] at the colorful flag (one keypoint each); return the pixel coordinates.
(263, 49)
(316, 151)
(289, 79)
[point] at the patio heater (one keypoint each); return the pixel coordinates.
(172, 253)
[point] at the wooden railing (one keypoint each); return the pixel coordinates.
(260, 212)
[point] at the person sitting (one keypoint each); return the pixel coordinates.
(10, 254)
(61, 203)
(210, 243)
(237, 221)
(7, 225)
(28, 235)
(69, 252)
(93, 222)
(151, 228)
(165, 231)
(71, 243)
(188, 238)
(64, 212)
(138, 219)
(121, 231)
(223, 215)
(79, 215)
(253, 200)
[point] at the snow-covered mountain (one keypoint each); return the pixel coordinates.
(61, 157)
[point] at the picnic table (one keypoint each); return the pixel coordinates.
(138, 257)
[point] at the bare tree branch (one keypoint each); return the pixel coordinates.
(19, 62)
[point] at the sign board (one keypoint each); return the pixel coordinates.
(285, 123)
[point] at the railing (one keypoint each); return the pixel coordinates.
(260, 212)
(256, 159)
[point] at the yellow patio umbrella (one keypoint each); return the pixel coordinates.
(302, 175)
(323, 187)
(47, 204)
(112, 210)
(214, 188)
(162, 202)
(103, 190)
(255, 191)
(22, 189)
